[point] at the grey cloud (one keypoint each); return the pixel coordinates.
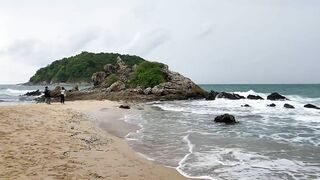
(144, 44)
(205, 31)
(40, 53)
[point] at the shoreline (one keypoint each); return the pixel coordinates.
(67, 141)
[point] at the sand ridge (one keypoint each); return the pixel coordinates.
(41, 141)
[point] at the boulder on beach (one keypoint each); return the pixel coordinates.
(246, 105)
(124, 106)
(311, 106)
(271, 105)
(255, 97)
(231, 96)
(276, 96)
(226, 118)
(289, 106)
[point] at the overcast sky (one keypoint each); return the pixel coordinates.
(210, 41)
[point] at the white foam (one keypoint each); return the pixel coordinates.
(179, 168)
(17, 92)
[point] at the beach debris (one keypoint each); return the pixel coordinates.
(246, 105)
(225, 118)
(124, 106)
(311, 106)
(276, 96)
(271, 105)
(255, 97)
(288, 106)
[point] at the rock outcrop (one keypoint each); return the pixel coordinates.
(226, 118)
(109, 69)
(123, 70)
(33, 93)
(271, 105)
(255, 97)
(212, 95)
(289, 106)
(117, 86)
(231, 96)
(311, 106)
(98, 77)
(276, 96)
(175, 86)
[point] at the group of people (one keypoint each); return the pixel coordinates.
(47, 95)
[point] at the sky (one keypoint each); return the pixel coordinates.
(209, 41)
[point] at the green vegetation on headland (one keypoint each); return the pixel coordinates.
(118, 77)
(148, 74)
(79, 68)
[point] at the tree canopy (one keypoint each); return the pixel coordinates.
(79, 68)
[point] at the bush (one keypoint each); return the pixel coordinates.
(148, 74)
(111, 79)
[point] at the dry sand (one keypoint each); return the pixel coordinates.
(56, 141)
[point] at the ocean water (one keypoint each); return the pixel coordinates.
(11, 94)
(268, 143)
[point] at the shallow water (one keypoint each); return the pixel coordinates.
(268, 143)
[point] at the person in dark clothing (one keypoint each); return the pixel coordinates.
(63, 94)
(47, 97)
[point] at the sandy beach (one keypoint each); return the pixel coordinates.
(39, 141)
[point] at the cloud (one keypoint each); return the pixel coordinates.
(144, 44)
(205, 31)
(39, 53)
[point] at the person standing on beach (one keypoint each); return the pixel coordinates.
(47, 97)
(63, 95)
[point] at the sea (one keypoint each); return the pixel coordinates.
(267, 143)
(13, 94)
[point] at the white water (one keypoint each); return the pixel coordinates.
(268, 143)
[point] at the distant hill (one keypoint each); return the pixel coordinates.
(79, 68)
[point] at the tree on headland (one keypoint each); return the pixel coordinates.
(79, 68)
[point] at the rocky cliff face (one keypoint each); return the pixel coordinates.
(176, 86)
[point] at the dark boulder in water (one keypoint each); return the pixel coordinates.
(231, 96)
(246, 105)
(124, 106)
(33, 93)
(311, 106)
(288, 106)
(254, 97)
(226, 118)
(276, 96)
(212, 95)
(271, 105)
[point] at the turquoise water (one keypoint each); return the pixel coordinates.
(303, 90)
